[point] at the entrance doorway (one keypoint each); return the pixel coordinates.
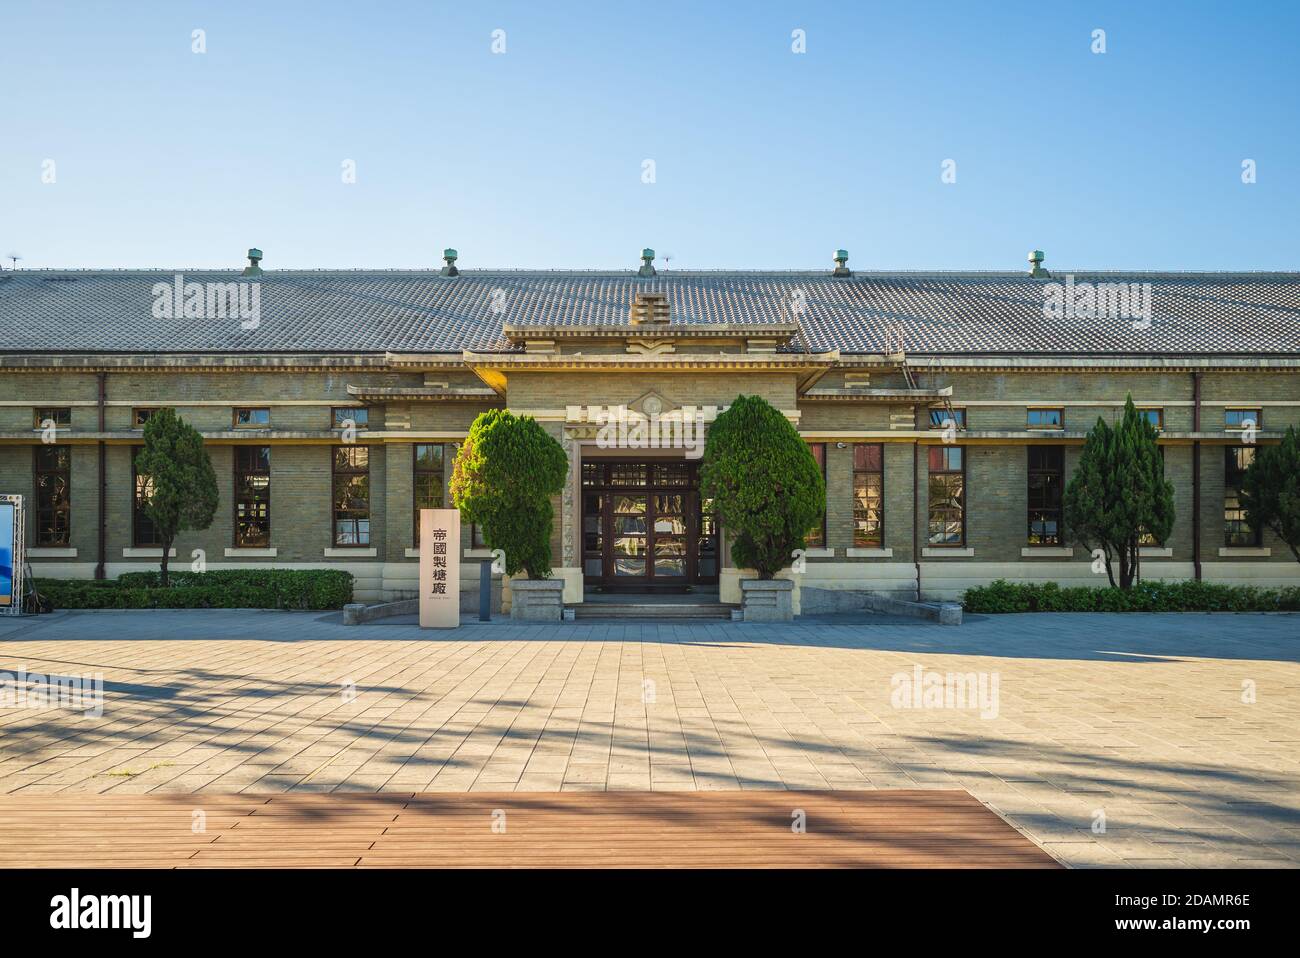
(645, 527)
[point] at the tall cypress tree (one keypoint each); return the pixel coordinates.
(1119, 493)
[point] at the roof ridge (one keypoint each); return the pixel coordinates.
(1057, 273)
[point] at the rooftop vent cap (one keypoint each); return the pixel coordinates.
(254, 267)
(1036, 269)
(449, 256)
(647, 263)
(842, 263)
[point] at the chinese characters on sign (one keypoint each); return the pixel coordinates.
(439, 568)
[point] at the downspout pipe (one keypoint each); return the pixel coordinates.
(102, 546)
(1196, 476)
(916, 513)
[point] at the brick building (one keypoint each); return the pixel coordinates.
(947, 409)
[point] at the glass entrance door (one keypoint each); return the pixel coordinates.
(645, 527)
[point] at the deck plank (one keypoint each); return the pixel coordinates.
(621, 829)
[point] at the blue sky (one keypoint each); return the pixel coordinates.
(764, 158)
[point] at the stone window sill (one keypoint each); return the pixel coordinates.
(51, 552)
(863, 553)
(351, 552)
(1240, 552)
(270, 553)
(1155, 552)
(1046, 552)
(819, 553)
(147, 552)
(939, 552)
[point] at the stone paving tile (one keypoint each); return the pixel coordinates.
(1137, 718)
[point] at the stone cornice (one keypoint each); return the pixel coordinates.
(185, 362)
(493, 367)
(1165, 363)
(674, 331)
(874, 395)
(423, 394)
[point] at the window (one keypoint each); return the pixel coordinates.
(428, 481)
(1046, 480)
(352, 495)
(359, 415)
(62, 416)
(1238, 418)
(1154, 416)
(252, 497)
(1236, 530)
(939, 415)
(815, 538)
(140, 416)
(144, 534)
(53, 495)
(1046, 419)
(947, 522)
(247, 417)
(868, 495)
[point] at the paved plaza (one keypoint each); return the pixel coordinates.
(1109, 740)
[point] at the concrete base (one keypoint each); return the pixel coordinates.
(767, 600)
(829, 601)
(357, 613)
(536, 600)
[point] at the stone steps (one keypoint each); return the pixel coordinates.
(652, 610)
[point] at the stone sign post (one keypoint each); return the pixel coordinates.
(439, 568)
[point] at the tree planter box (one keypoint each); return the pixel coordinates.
(767, 600)
(536, 600)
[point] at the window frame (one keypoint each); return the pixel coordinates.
(1257, 410)
(137, 514)
(236, 498)
(1159, 424)
(135, 415)
(416, 472)
(959, 416)
(1044, 511)
(820, 542)
(929, 501)
(59, 412)
(65, 509)
(1256, 535)
(880, 535)
(357, 517)
(350, 413)
(236, 410)
(1059, 410)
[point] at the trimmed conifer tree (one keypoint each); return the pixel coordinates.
(503, 478)
(1119, 494)
(1270, 490)
(180, 487)
(764, 483)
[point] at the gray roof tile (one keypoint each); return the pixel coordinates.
(375, 311)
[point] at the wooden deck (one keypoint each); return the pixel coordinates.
(752, 829)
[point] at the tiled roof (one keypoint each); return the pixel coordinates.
(377, 311)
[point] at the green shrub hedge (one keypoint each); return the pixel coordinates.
(1189, 596)
(220, 589)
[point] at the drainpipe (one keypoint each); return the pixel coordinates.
(1196, 476)
(916, 512)
(103, 478)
